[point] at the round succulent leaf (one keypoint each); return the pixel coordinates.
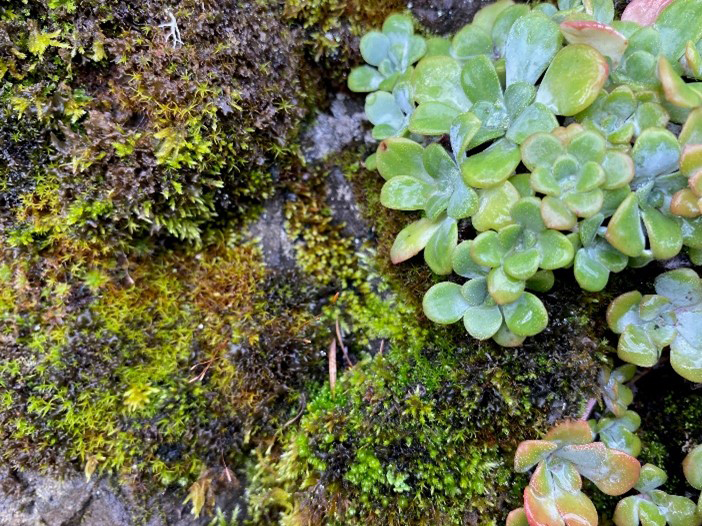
(412, 239)
(364, 79)
(526, 212)
(589, 271)
(664, 233)
(487, 250)
(400, 156)
(535, 118)
(492, 166)
(526, 316)
(381, 108)
(616, 475)
(533, 41)
(624, 311)
(398, 26)
(618, 168)
(627, 512)
(567, 94)
(503, 24)
(470, 41)
(444, 303)
(506, 338)
(650, 478)
(570, 432)
(463, 202)
(691, 160)
(517, 518)
(522, 265)
(601, 10)
(541, 149)
(542, 281)
(682, 287)
(531, 452)
(692, 232)
(405, 193)
(556, 214)
(494, 208)
(650, 115)
(438, 79)
(686, 359)
(463, 263)
(655, 152)
(588, 146)
(636, 346)
(483, 321)
(543, 181)
(438, 46)
(605, 39)
(678, 23)
(475, 291)
(692, 467)
(644, 12)
(439, 249)
(433, 118)
(487, 15)
(625, 232)
(678, 511)
(480, 81)
(374, 47)
(438, 163)
(505, 289)
(621, 439)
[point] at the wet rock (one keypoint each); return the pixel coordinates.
(445, 17)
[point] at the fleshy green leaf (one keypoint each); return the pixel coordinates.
(567, 94)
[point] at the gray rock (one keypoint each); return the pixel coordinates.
(331, 132)
(269, 228)
(344, 206)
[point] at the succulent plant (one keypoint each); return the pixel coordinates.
(615, 394)
(618, 432)
(645, 213)
(623, 114)
(572, 167)
(595, 258)
(427, 179)
(653, 506)
(390, 112)
(516, 252)
(565, 91)
(566, 454)
(671, 317)
(390, 55)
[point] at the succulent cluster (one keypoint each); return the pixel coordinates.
(538, 138)
(569, 451)
(670, 317)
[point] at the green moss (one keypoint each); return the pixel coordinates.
(183, 138)
(153, 368)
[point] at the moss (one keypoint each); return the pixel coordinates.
(153, 368)
(144, 137)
